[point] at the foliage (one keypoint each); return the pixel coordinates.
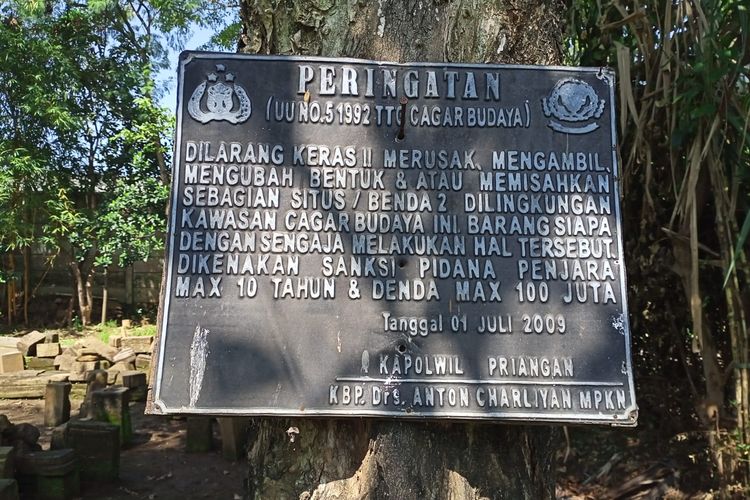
(32, 105)
(79, 150)
(83, 145)
(684, 106)
(132, 222)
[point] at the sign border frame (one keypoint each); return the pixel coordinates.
(156, 406)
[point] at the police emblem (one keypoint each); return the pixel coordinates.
(572, 101)
(225, 100)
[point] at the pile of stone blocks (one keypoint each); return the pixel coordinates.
(39, 349)
(103, 427)
(90, 354)
(42, 355)
(136, 348)
(126, 361)
(13, 350)
(86, 448)
(122, 354)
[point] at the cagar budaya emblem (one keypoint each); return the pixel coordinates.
(573, 101)
(224, 100)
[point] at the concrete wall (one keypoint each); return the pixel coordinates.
(135, 285)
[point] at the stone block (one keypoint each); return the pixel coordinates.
(11, 362)
(46, 350)
(8, 489)
(27, 383)
(27, 433)
(77, 377)
(100, 348)
(200, 435)
(88, 358)
(233, 432)
(7, 342)
(136, 382)
(115, 370)
(40, 363)
(127, 354)
(84, 366)
(57, 403)
(84, 351)
(132, 379)
(6, 429)
(52, 338)
(143, 361)
(139, 344)
(97, 445)
(115, 341)
(122, 366)
(64, 361)
(95, 380)
(59, 438)
(27, 343)
(112, 405)
(74, 350)
(48, 475)
(7, 462)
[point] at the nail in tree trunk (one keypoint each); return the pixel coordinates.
(368, 458)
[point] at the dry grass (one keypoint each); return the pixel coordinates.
(684, 74)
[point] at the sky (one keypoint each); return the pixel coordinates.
(199, 37)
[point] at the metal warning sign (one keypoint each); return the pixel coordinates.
(363, 238)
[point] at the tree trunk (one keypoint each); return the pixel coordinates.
(369, 458)
(11, 289)
(83, 272)
(26, 284)
(379, 459)
(105, 297)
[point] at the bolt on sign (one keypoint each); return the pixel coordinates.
(425, 240)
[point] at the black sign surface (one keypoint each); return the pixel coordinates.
(360, 238)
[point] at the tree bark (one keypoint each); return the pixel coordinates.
(105, 297)
(474, 31)
(26, 285)
(379, 459)
(83, 273)
(11, 289)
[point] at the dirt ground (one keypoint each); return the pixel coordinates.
(156, 465)
(594, 463)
